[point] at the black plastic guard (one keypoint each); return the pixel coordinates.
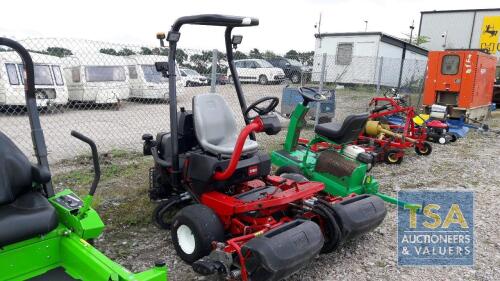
(283, 251)
(359, 214)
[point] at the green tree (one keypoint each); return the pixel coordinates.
(126, 52)
(306, 58)
(145, 51)
(181, 56)
(238, 55)
(160, 51)
(59, 52)
(269, 54)
(416, 40)
(292, 54)
(108, 51)
(3, 50)
(255, 54)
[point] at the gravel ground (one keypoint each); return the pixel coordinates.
(469, 164)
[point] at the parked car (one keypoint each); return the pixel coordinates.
(293, 69)
(257, 70)
(191, 77)
(221, 79)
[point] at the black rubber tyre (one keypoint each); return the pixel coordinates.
(288, 170)
(263, 80)
(391, 158)
(292, 173)
(329, 227)
(194, 228)
(426, 150)
(453, 138)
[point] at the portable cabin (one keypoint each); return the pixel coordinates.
(460, 80)
(49, 80)
(97, 78)
(368, 58)
(145, 81)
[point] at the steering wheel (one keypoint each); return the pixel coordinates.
(261, 110)
(311, 94)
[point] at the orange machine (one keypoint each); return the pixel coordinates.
(461, 80)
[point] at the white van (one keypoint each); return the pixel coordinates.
(97, 78)
(257, 70)
(49, 82)
(145, 81)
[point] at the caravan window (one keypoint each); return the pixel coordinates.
(344, 54)
(12, 73)
(151, 75)
(132, 72)
(58, 75)
(43, 76)
(104, 73)
(450, 64)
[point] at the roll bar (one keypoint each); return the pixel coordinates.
(36, 129)
(173, 37)
(215, 20)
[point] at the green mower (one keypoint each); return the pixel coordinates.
(327, 157)
(43, 235)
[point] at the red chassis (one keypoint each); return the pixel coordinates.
(391, 148)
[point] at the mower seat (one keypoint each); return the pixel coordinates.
(215, 126)
(343, 133)
(24, 213)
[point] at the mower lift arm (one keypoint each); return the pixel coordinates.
(255, 126)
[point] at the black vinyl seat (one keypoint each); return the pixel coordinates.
(345, 132)
(24, 212)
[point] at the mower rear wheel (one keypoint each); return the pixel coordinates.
(393, 156)
(329, 226)
(194, 229)
(425, 150)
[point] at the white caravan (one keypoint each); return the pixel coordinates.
(97, 78)
(49, 81)
(145, 81)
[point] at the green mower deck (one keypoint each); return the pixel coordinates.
(64, 254)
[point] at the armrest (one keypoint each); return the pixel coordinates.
(40, 174)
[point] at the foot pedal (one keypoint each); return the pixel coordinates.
(207, 267)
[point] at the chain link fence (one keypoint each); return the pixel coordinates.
(113, 93)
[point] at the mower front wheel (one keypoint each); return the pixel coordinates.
(424, 149)
(194, 229)
(393, 156)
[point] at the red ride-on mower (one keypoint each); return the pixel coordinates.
(391, 130)
(230, 216)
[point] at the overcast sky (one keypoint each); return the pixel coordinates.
(284, 25)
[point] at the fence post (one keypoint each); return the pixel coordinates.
(320, 90)
(379, 78)
(213, 80)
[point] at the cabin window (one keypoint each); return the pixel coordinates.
(75, 74)
(12, 73)
(450, 65)
(132, 72)
(58, 75)
(151, 75)
(344, 54)
(105, 73)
